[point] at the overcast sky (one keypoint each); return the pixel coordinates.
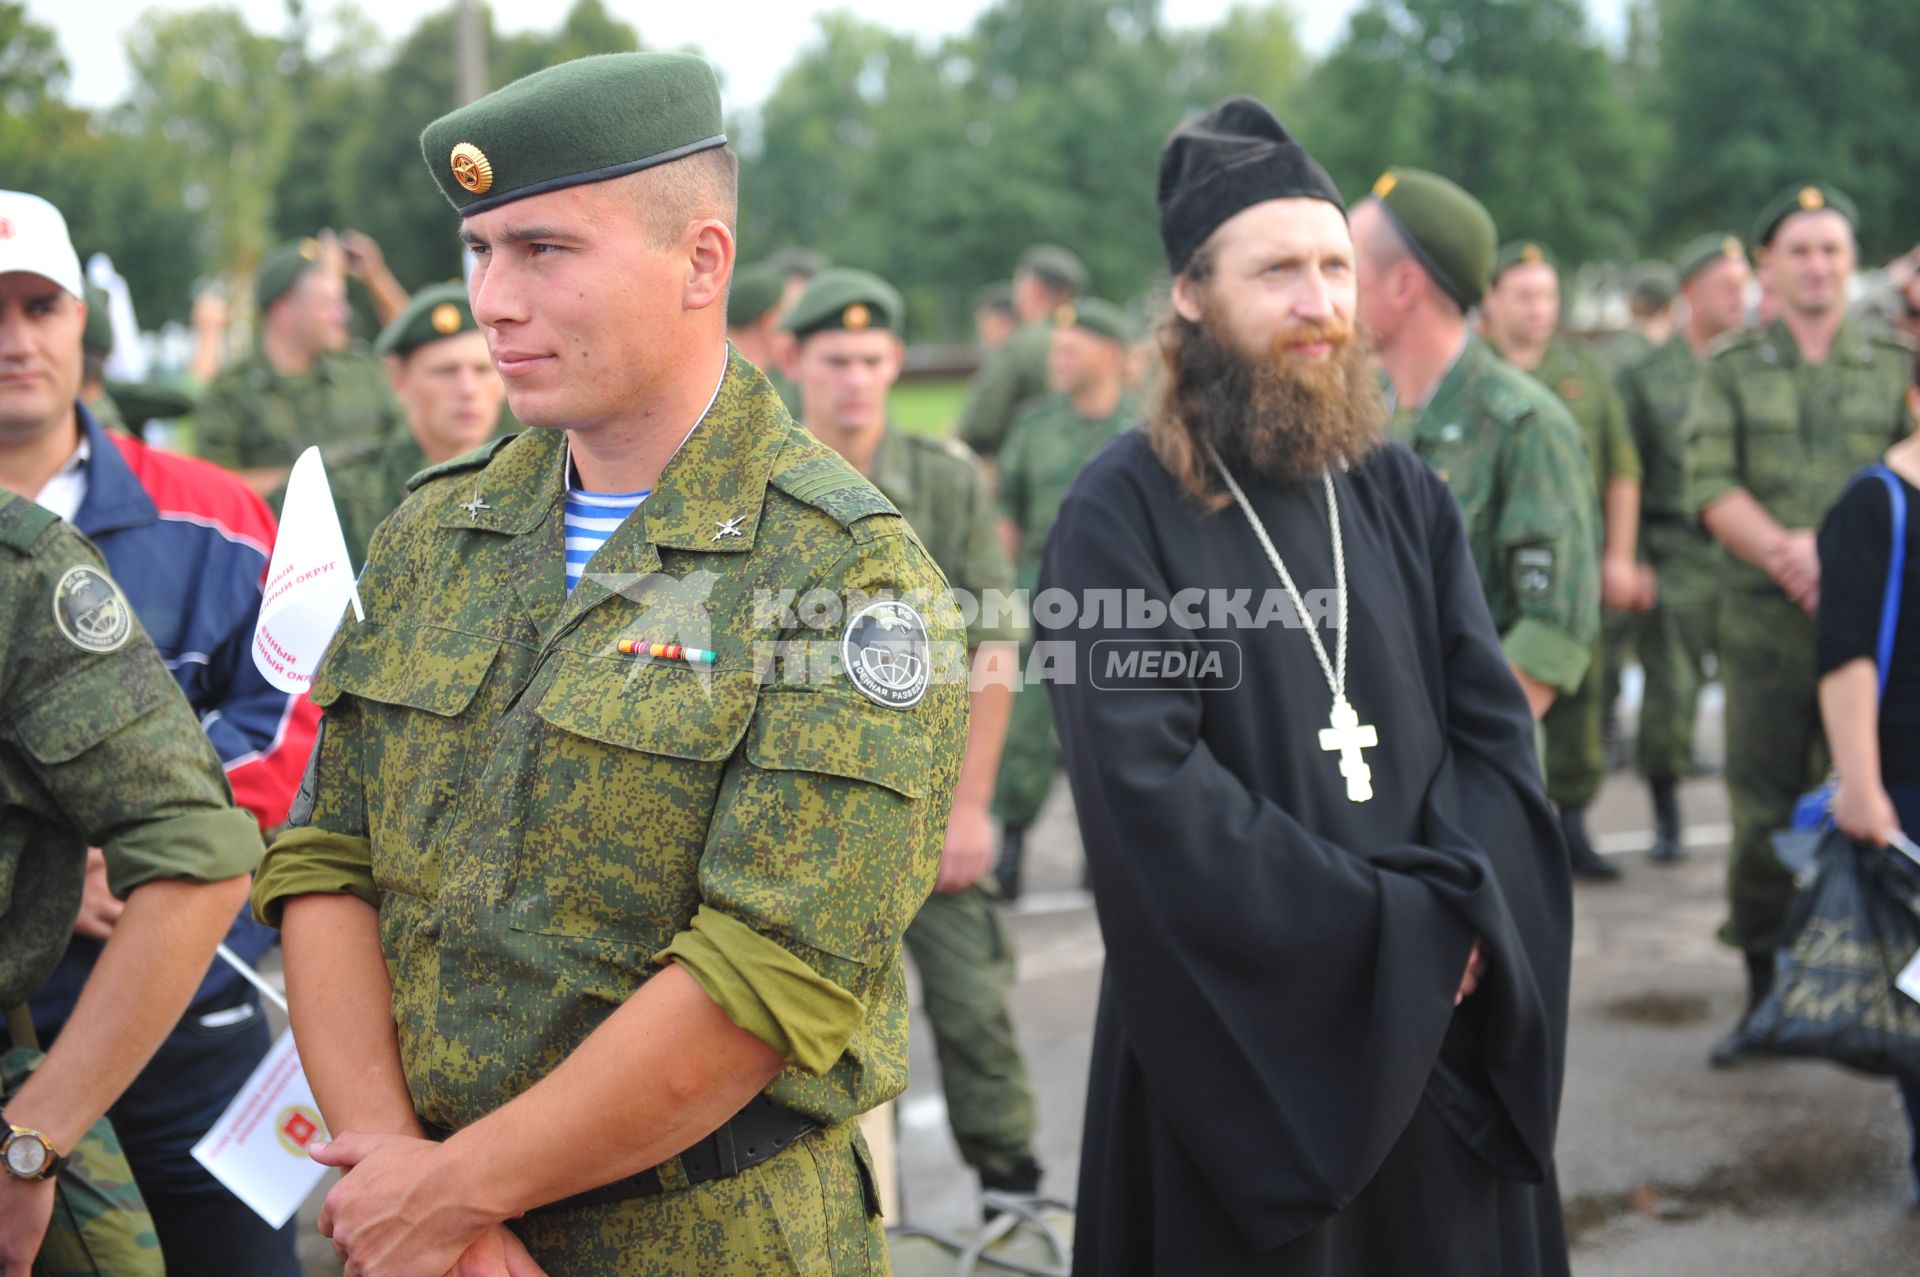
(751, 41)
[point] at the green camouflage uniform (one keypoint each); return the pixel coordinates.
(97, 747)
(368, 481)
(959, 940)
(254, 417)
(1046, 448)
(1792, 434)
(1013, 377)
(1576, 761)
(1676, 638)
(1622, 350)
(543, 822)
(1515, 463)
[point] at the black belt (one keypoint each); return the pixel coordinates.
(745, 1140)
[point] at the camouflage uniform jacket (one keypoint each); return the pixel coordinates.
(1514, 460)
(253, 416)
(1581, 383)
(1046, 448)
(542, 822)
(941, 490)
(1793, 434)
(1656, 391)
(97, 747)
(1012, 377)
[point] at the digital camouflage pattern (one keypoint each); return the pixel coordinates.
(1573, 726)
(368, 481)
(1792, 434)
(100, 1225)
(1046, 448)
(959, 941)
(97, 747)
(1516, 465)
(1676, 638)
(542, 821)
(255, 417)
(1012, 377)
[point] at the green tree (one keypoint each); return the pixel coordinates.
(1763, 93)
(1514, 99)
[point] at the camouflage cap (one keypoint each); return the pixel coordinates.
(1804, 197)
(97, 339)
(755, 291)
(1529, 252)
(1449, 232)
(1698, 254)
(1101, 318)
(435, 313)
(1651, 286)
(840, 298)
(1055, 265)
(281, 268)
(588, 120)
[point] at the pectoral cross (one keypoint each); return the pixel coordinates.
(1348, 736)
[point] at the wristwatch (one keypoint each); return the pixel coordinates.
(27, 1154)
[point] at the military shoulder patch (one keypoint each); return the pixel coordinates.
(831, 485)
(885, 654)
(90, 611)
(465, 461)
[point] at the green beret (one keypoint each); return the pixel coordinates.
(1449, 232)
(995, 296)
(97, 339)
(435, 313)
(583, 121)
(1529, 251)
(1807, 197)
(1701, 253)
(755, 291)
(281, 269)
(1102, 319)
(1651, 286)
(1055, 265)
(846, 299)
(798, 263)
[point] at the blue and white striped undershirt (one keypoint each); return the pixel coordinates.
(592, 517)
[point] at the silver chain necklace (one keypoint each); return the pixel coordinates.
(1345, 734)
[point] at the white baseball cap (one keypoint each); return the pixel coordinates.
(33, 238)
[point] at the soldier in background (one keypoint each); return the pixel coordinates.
(755, 303)
(304, 382)
(847, 354)
(1781, 420)
(994, 320)
(1047, 278)
(1522, 317)
(1676, 638)
(1651, 288)
(1088, 407)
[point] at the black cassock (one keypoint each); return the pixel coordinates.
(1281, 1083)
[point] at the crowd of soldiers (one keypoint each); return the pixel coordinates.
(1664, 485)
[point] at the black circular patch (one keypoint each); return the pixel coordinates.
(90, 610)
(885, 653)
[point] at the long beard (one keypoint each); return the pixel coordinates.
(1277, 416)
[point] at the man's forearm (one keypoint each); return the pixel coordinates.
(342, 1007)
(1540, 696)
(1850, 711)
(1623, 518)
(137, 993)
(989, 708)
(1742, 524)
(663, 1072)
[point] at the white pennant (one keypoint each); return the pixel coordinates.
(309, 583)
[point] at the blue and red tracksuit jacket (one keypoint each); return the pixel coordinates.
(189, 544)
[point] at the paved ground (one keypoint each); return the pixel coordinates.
(1667, 1167)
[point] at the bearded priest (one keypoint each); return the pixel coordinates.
(1332, 1024)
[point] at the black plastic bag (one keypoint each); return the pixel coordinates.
(1854, 926)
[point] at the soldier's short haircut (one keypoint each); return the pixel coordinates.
(671, 196)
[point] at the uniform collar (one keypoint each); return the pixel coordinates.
(114, 499)
(893, 469)
(1850, 346)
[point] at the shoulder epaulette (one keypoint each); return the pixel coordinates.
(827, 483)
(1732, 341)
(22, 522)
(465, 461)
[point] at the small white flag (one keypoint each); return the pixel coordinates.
(309, 582)
(258, 1148)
